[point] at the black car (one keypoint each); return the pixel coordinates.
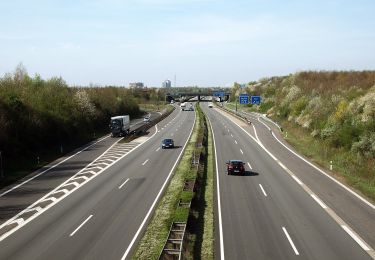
(167, 143)
(235, 167)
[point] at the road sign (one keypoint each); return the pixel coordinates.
(219, 94)
(256, 100)
(244, 99)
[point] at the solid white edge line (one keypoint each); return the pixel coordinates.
(222, 256)
(84, 222)
(53, 166)
(123, 183)
(319, 201)
(5, 235)
(290, 173)
(290, 241)
(359, 241)
(157, 197)
(145, 162)
(327, 175)
(264, 192)
(249, 165)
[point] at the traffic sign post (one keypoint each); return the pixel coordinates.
(256, 100)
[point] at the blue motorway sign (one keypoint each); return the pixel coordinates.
(244, 99)
(255, 100)
(219, 94)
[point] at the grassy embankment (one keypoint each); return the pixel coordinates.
(199, 240)
(46, 119)
(329, 116)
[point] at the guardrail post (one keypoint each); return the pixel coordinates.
(330, 165)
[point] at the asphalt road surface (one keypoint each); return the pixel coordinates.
(95, 204)
(282, 208)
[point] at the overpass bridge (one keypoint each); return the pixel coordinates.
(186, 96)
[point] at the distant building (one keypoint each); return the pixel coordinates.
(137, 85)
(167, 84)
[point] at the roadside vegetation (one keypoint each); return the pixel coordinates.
(42, 119)
(330, 113)
(198, 243)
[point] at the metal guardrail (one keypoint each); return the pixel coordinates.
(173, 246)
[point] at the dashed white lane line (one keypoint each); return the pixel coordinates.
(231, 135)
(157, 149)
(123, 183)
(319, 201)
(297, 180)
(235, 141)
(290, 241)
(359, 241)
(84, 222)
(145, 162)
(326, 174)
(249, 165)
(241, 151)
(264, 192)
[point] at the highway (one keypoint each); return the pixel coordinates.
(281, 208)
(100, 202)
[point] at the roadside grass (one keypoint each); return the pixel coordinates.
(353, 170)
(152, 242)
(199, 238)
(207, 249)
(153, 107)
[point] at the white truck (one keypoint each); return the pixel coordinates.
(183, 106)
(120, 125)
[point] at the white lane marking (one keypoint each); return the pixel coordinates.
(123, 183)
(269, 129)
(297, 180)
(53, 166)
(84, 222)
(157, 149)
(255, 132)
(328, 210)
(241, 151)
(172, 134)
(356, 238)
(264, 192)
(290, 241)
(249, 165)
(231, 135)
(235, 141)
(228, 130)
(327, 175)
(222, 257)
(321, 203)
(57, 189)
(145, 162)
(157, 196)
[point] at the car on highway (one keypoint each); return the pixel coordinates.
(235, 167)
(167, 143)
(146, 119)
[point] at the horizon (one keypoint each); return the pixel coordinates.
(203, 42)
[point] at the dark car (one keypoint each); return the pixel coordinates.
(236, 167)
(167, 143)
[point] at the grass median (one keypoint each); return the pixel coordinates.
(157, 230)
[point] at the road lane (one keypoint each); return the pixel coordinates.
(253, 225)
(117, 213)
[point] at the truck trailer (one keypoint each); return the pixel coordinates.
(120, 125)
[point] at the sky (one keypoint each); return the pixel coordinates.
(202, 42)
